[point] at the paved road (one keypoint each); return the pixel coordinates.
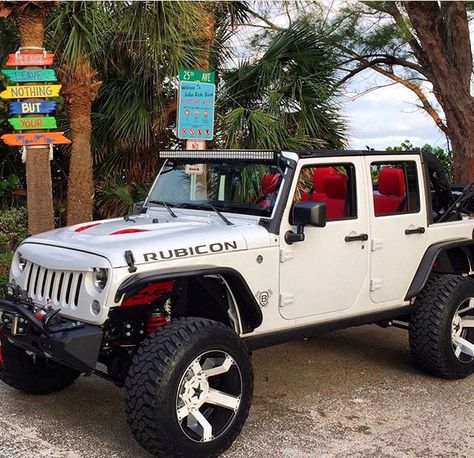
(351, 393)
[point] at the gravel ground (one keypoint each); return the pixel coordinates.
(349, 393)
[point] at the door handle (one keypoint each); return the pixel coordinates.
(356, 238)
(418, 230)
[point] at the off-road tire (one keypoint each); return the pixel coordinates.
(33, 376)
(430, 326)
(154, 378)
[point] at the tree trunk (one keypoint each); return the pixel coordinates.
(445, 53)
(208, 34)
(30, 19)
(79, 91)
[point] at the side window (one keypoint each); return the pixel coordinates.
(395, 188)
(333, 184)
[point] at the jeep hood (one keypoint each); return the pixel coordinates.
(157, 239)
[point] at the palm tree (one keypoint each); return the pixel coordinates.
(74, 31)
(284, 99)
(29, 18)
(134, 112)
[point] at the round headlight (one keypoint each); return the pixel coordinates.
(100, 277)
(21, 262)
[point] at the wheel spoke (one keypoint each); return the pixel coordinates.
(205, 425)
(457, 352)
(467, 321)
(222, 369)
(183, 412)
(470, 306)
(465, 346)
(196, 367)
(221, 399)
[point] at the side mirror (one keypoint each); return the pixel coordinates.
(306, 213)
(138, 208)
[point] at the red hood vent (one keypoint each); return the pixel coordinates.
(128, 231)
(87, 226)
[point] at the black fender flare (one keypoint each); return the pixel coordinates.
(450, 257)
(249, 310)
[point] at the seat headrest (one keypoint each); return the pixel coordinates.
(318, 177)
(268, 183)
(335, 186)
(391, 182)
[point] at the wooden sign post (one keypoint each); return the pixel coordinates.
(39, 59)
(30, 75)
(28, 92)
(36, 107)
(33, 122)
(36, 138)
(31, 107)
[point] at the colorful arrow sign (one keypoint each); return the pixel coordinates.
(40, 138)
(28, 92)
(33, 122)
(36, 107)
(29, 60)
(30, 75)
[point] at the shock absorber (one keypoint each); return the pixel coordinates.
(155, 321)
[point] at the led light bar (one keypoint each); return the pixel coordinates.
(249, 155)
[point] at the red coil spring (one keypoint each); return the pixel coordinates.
(155, 321)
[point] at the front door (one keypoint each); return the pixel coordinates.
(328, 270)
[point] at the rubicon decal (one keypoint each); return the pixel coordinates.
(216, 247)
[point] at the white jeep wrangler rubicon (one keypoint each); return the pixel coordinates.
(233, 251)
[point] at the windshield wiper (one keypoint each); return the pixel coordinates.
(211, 207)
(223, 218)
(166, 205)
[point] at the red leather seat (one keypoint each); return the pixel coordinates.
(392, 189)
(335, 187)
(268, 184)
(318, 193)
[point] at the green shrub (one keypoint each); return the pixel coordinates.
(5, 261)
(13, 229)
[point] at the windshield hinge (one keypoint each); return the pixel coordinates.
(130, 260)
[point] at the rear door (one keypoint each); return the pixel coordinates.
(328, 270)
(398, 222)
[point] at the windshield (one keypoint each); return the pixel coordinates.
(236, 187)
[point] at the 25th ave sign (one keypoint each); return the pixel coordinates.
(30, 75)
(33, 122)
(43, 138)
(28, 92)
(36, 107)
(196, 75)
(30, 60)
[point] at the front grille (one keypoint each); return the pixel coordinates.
(53, 286)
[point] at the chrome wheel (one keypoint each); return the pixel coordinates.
(208, 396)
(462, 331)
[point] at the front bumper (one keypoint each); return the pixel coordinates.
(68, 342)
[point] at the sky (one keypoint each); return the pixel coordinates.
(386, 116)
(380, 118)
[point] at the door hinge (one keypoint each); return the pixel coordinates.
(376, 244)
(375, 284)
(286, 299)
(286, 255)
